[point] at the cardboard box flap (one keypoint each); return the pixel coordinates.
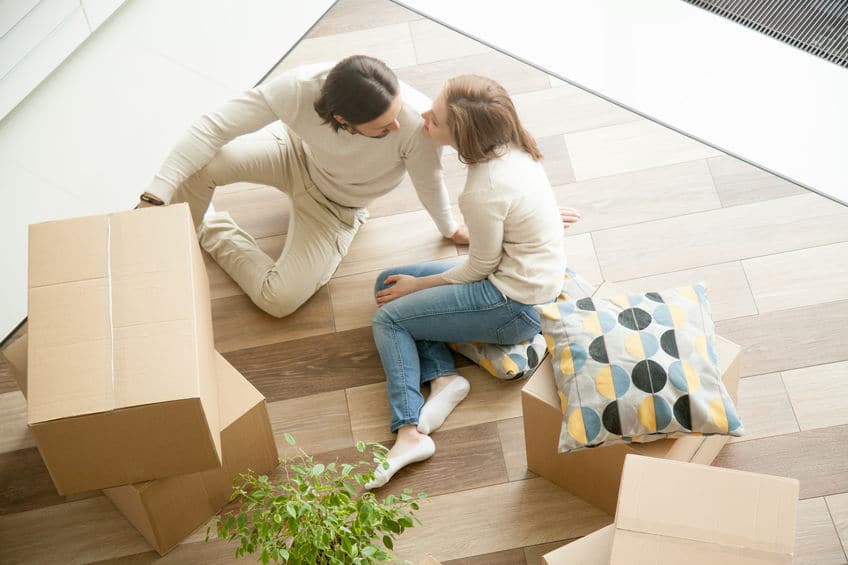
(236, 394)
(56, 256)
(593, 549)
(668, 499)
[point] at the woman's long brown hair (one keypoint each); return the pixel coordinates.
(482, 119)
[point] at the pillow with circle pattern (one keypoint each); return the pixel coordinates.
(519, 361)
(637, 368)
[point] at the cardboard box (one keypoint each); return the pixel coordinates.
(166, 511)
(672, 512)
(593, 549)
(594, 474)
(121, 383)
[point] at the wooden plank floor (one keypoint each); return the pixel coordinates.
(660, 209)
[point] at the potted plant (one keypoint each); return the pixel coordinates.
(316, 513)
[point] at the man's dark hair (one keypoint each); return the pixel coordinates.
(359, 89)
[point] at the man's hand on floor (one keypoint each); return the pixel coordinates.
(569, 216)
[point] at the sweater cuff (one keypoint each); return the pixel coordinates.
(448, 226)
(161, 189)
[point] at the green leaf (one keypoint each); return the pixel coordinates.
(283, 554)
(387, 541)
(290, 510)
(360, 446)
(289, 438)
(369, 550)
(278, 519)
(317, 469)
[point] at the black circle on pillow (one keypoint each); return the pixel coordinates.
(654, 296)
(586, 304)
(610, 418)
(683, 412)
(635, 319)
(648, 376)
(669, 344)
(532, 358)
(598, 350)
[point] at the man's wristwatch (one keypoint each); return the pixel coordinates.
(150, 199)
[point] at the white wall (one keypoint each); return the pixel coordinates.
(727, 85)
(88, 139)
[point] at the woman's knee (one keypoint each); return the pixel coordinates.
(380, 282)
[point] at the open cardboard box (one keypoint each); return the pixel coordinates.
(671, 512)
(592, 549)
(167, 510)
(594, 474)
(121, 361)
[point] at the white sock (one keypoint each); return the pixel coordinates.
(439, 406)
(424, 449)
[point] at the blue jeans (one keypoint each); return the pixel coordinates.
(411, 332)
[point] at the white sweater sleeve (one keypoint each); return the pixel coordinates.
(246, 113)
(422, 159)
(485, 217)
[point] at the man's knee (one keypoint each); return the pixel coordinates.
(278, 301)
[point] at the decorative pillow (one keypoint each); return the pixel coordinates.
(637, 368)
(519, 361)
(505, 362)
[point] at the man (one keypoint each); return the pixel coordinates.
(349, 137)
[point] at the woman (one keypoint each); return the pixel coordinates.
(515, 261)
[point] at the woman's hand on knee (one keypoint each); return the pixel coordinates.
(401, 286)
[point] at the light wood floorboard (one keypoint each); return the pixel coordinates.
(738, 182)
(793, 279)
(819, 395)
(718, 236)
(816, 540)
(789, 339)
(652, 194)
(629, 147)
(14, 433)
(764, 408)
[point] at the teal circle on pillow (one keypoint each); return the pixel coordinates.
(712, 352)
(669, 344)
(654, 413)
(683, 412)
(663, 316)
(566, 308)
(586, 304)
(608, 322)
(702, 293)
(592, 423)
(649, 376)
(650, 345)
(598, 350)
(519, 360)
(678, 376)
(733, 422)
(634, 319)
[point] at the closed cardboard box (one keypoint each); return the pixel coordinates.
(166, 511)
(671, 512)
(594, 474)
(121, 384)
